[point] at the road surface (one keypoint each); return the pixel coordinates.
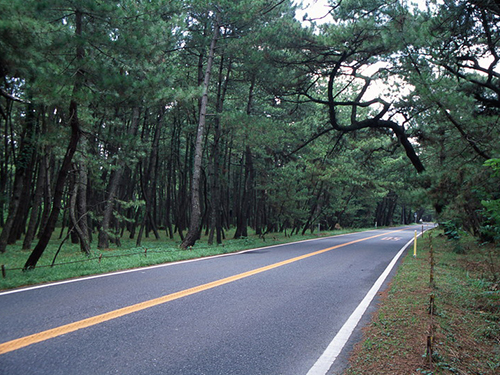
(273, 310)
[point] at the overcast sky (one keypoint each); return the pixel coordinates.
(314, 8)
(319, 8)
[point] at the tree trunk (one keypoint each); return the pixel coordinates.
(195, 219)
(37, 202)
(114, 182)
(13, 207)
(4, 166)
(216, 212)
(21, 217)
(168, 202)
(70, 208)
(22, 168)
(245, 202)
(340, 214)
(82, 238)
(315, 208)
(148, 187)
(59, 189)
(68, 157)
(385, 209)
(81, 203)
(104, 228)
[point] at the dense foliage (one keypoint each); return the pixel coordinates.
(139, 117)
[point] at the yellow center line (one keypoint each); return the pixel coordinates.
(22, 342)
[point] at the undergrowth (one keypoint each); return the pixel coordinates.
(71, 262)
(465, 326)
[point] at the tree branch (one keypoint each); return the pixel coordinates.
(314, 137)
(462, 132)
(5, 94)
(374, 123)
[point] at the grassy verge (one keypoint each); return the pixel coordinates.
(463, 334)
(71, 263)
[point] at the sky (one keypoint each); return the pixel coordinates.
(319, 8)
(314, 8)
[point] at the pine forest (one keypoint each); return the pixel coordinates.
(163, 118)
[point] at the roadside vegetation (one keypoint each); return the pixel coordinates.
(460, 336)
(70, 262)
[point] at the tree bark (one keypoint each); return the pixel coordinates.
(195, 218)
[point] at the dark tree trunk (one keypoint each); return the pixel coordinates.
(47, 195)
(195, 219)
(104, 228)
(315, 207)
(168, 202)
(23, 163)
(37, 202)
(58, 191)
(13, 207)
(21, 217)
(81, 204)
(340, 214)
(148, 187)
(216, 212)
(75, 219)
(114, 182)
(245, 203)
(68, 157)
(385, 209)
(4, 166)
(181, 201)
(70, 208)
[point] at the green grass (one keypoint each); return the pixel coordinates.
(465, 327)
(71, 263)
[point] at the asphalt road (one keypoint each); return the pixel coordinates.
(267, 311)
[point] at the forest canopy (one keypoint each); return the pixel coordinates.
(180, 117)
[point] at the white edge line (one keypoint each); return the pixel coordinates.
(326, 360)
(85, 278)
